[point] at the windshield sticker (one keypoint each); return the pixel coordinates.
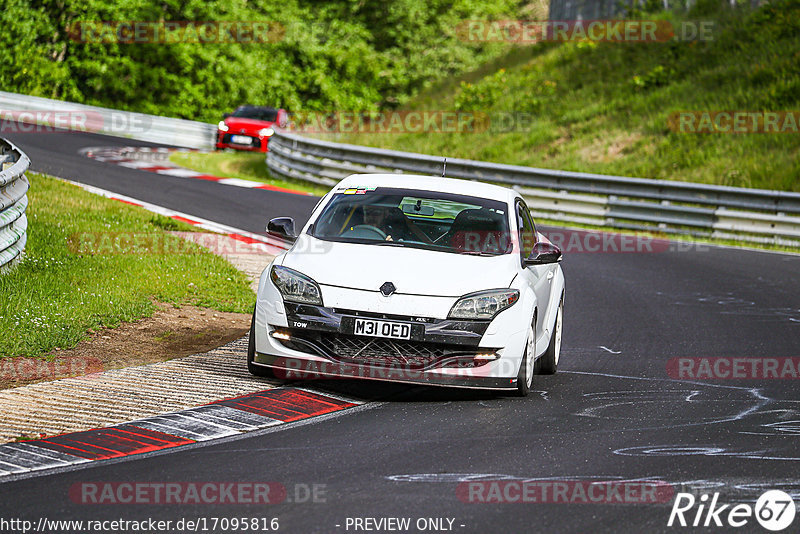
(356, 190)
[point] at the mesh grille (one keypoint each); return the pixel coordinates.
(389, 353)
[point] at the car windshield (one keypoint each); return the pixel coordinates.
(417, 219)
(260, 114)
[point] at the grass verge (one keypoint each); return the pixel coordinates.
(605, 107)
(244, 165)
(57, 292)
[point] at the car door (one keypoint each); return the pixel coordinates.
(538, 277)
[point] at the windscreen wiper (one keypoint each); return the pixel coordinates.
(477, 253)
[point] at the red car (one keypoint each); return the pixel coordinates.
(249, 127)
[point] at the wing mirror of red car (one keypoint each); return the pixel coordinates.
(282, 227)
(543, 253)
(225, 115)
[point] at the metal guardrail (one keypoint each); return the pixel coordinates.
(585, 9)
(660, 206)
(607, 9)
(13, 203)
(162, 130)
(613, 201)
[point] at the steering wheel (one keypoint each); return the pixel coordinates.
(366, 231)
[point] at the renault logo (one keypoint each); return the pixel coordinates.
(387, 289)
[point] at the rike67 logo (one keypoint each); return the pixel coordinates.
(774, 510)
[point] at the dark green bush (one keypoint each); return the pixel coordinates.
(339, 54)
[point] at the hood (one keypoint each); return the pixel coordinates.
(412, 271)
(250, 125)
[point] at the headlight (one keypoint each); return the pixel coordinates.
(483, 304)
(222, 126)
(266, 132)
(295, 287)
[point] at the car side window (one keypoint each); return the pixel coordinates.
(535, 236)
(527, 232)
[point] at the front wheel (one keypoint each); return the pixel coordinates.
(256, 370)
(525, 374)
(548, 363)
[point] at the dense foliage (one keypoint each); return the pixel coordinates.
(606, 107)
(338, 54)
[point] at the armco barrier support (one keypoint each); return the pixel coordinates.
(13, 203)
(754, 215)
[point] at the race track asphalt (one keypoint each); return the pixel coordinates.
(612, 412)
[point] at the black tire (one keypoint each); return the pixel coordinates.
(548, 363)
(256, 370)
(523, 388)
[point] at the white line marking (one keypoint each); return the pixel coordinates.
(170, 425)
(754, 391)
(11, 468)
(132, 164)
(47, 453)
(239, 182)
(609, 350)
(199, 221)
(161, 165)
(231, 417)
(183, 173)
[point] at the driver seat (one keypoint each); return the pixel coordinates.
(478, 230)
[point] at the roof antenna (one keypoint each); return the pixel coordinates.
(444, 167)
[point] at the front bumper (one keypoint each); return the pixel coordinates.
(257, 144)
(288, 368)
(319, 343)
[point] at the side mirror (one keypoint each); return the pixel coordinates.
(544, 253)
(226, 115)
(282, 227)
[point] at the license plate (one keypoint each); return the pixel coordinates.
(241, 139)
(371, 327)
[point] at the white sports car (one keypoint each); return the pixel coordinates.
(412, 279)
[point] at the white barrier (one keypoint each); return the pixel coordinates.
(13, 203)
(44, 112)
